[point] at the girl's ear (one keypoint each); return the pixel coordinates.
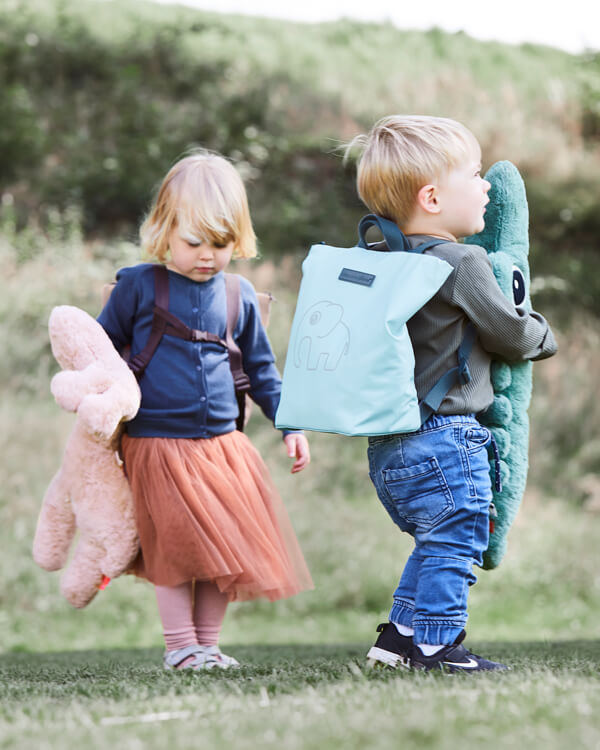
(427, 199)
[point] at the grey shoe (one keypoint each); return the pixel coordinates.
(205, 657)
(209, 657)
(174, 659)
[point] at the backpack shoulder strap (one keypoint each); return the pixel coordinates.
(232, 292)
(241, 381)
(427, 246)
(161, 302)
(459, 375)
(161, 286)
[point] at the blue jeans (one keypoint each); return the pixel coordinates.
(435, 484)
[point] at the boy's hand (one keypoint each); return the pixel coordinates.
(297, 447)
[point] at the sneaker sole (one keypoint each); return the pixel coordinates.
(455, 668)
(379, 657)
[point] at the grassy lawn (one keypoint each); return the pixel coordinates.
(300, 696)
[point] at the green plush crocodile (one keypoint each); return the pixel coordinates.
(506, 239)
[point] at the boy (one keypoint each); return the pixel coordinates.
(424, 173)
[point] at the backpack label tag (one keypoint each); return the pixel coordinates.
(356, 277)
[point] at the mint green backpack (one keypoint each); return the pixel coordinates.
(350, 362)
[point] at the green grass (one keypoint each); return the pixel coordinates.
(309, 696)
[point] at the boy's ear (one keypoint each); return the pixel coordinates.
(427, 199)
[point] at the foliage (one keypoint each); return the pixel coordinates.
(41, 270)
(98, 99)
(566, 414)
(590, 97)
(565, 226)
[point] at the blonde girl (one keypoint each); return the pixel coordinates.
(212, 526)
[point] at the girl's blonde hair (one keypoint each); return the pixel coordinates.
(401, 154)
(204, 196)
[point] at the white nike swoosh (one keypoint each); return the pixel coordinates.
(471, 664)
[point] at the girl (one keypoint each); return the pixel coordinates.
(212, 527)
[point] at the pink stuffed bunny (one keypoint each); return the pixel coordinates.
(90, 493)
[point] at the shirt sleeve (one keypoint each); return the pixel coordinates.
(513, 334)
(118, 315)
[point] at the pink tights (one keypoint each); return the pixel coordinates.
(191, 613)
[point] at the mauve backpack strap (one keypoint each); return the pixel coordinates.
(240, 380)
(161, 301)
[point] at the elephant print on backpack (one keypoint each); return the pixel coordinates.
(323, 339)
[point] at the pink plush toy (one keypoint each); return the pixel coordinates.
(89, 494)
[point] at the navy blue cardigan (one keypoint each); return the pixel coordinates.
(187, 389)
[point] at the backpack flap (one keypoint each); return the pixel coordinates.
(350, 363)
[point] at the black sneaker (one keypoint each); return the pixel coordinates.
(391, 649)
(453, 658)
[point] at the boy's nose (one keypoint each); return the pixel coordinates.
(486, 185)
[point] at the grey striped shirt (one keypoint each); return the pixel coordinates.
(471, 293)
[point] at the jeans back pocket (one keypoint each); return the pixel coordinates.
(420, 493)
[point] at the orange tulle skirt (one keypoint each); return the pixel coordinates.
(207, 510)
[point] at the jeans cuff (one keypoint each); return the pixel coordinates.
(434, 631)
(402, 612)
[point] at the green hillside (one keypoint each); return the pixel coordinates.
(98, 98)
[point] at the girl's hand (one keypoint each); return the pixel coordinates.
(297, 447)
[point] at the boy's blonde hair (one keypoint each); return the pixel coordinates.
(204, 196)
(401, 154)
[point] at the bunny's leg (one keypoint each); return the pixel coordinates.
(55, 527)
(81, 580)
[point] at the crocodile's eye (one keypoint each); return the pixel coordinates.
(518, 287)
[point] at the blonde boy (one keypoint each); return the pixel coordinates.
(424, 173)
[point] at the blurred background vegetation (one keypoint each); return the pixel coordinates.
(98, 99)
